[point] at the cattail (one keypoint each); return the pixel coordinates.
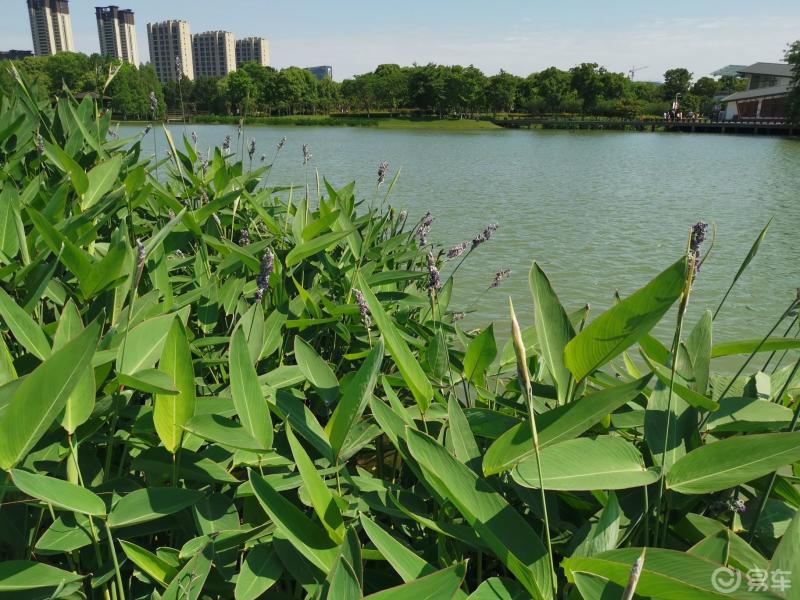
(699, 231)
(244, 237)
(171, 214)
(434, 279)
(147, 129)
(226, 144)
(362, 308)
(251, 149)
(194, 138)
(424, 229)
(458, 316)
(457, 250)
(633, 580)
(178, 67)
(153, 104)
(306, 154)
(263, 157)
(267, 262)
(499, 277)
(281, 143)
(382, 168)
(484, 236)
(39, 143)
(215, 216)
(204, 198)
(239, 129)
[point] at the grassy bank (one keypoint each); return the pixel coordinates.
(381, 122)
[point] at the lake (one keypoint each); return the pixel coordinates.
(599, 211)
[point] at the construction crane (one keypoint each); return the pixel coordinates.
(633, 71)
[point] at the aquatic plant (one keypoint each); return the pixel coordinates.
(183, 416)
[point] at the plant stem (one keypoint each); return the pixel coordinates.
(111, 549)
(763, 500)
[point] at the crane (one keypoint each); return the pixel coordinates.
(633, 71)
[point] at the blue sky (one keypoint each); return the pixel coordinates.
(519, 36)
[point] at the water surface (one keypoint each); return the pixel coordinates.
(599, 211)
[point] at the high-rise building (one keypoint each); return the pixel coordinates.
(252, 49)
(323, 72)
(51, 26)
(117, 33)
(171, 50)
(214, 53)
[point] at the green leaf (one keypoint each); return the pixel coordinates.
(311, 541)
(101, 179)
(171, 412)
(188, 584)
(681, 388)
(773, 344)
(749, 414)
(153, 242)
(585, 464)
(496, 588)
(26, 331)
(733, 461)
(666, 574)
(81, 401)
(143, 345)
(464, 444)
(217, 428)
(344, 583)
(501, 527)
(154, 567)
(149, 504)
(43, 394)
(9, 240)
(68, 165)
(787, 553)
(355, 396)
(558, 425)
(553, 330)
(321, 498)
(316, 370)
(625, 323)
(406, 363)
(61, 494)
(408, 564)
(251, 406)
(20, 575)
(698, 344)
(261, 569)
(482, 350)
(602, 535)
(151, 381)
(441, 584)
(302, 251)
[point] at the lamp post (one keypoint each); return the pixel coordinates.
(676, 104)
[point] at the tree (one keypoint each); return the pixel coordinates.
(391, 86)
(793, 58)
(502, 91)
(242, 92)
(705, 87)
(587, 81)
(676, 81)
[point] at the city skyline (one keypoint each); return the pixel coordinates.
(514, 35)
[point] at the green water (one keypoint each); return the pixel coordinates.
(600, 211)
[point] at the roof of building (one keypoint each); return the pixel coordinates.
(775, 90)
(728, 71)
(763, 68)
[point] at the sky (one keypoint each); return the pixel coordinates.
(354, 36)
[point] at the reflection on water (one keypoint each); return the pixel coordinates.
(600, 211)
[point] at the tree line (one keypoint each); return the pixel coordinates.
(429, 89)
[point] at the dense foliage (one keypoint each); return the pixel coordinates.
(428, 89)
(793, 58)
(214, 388)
